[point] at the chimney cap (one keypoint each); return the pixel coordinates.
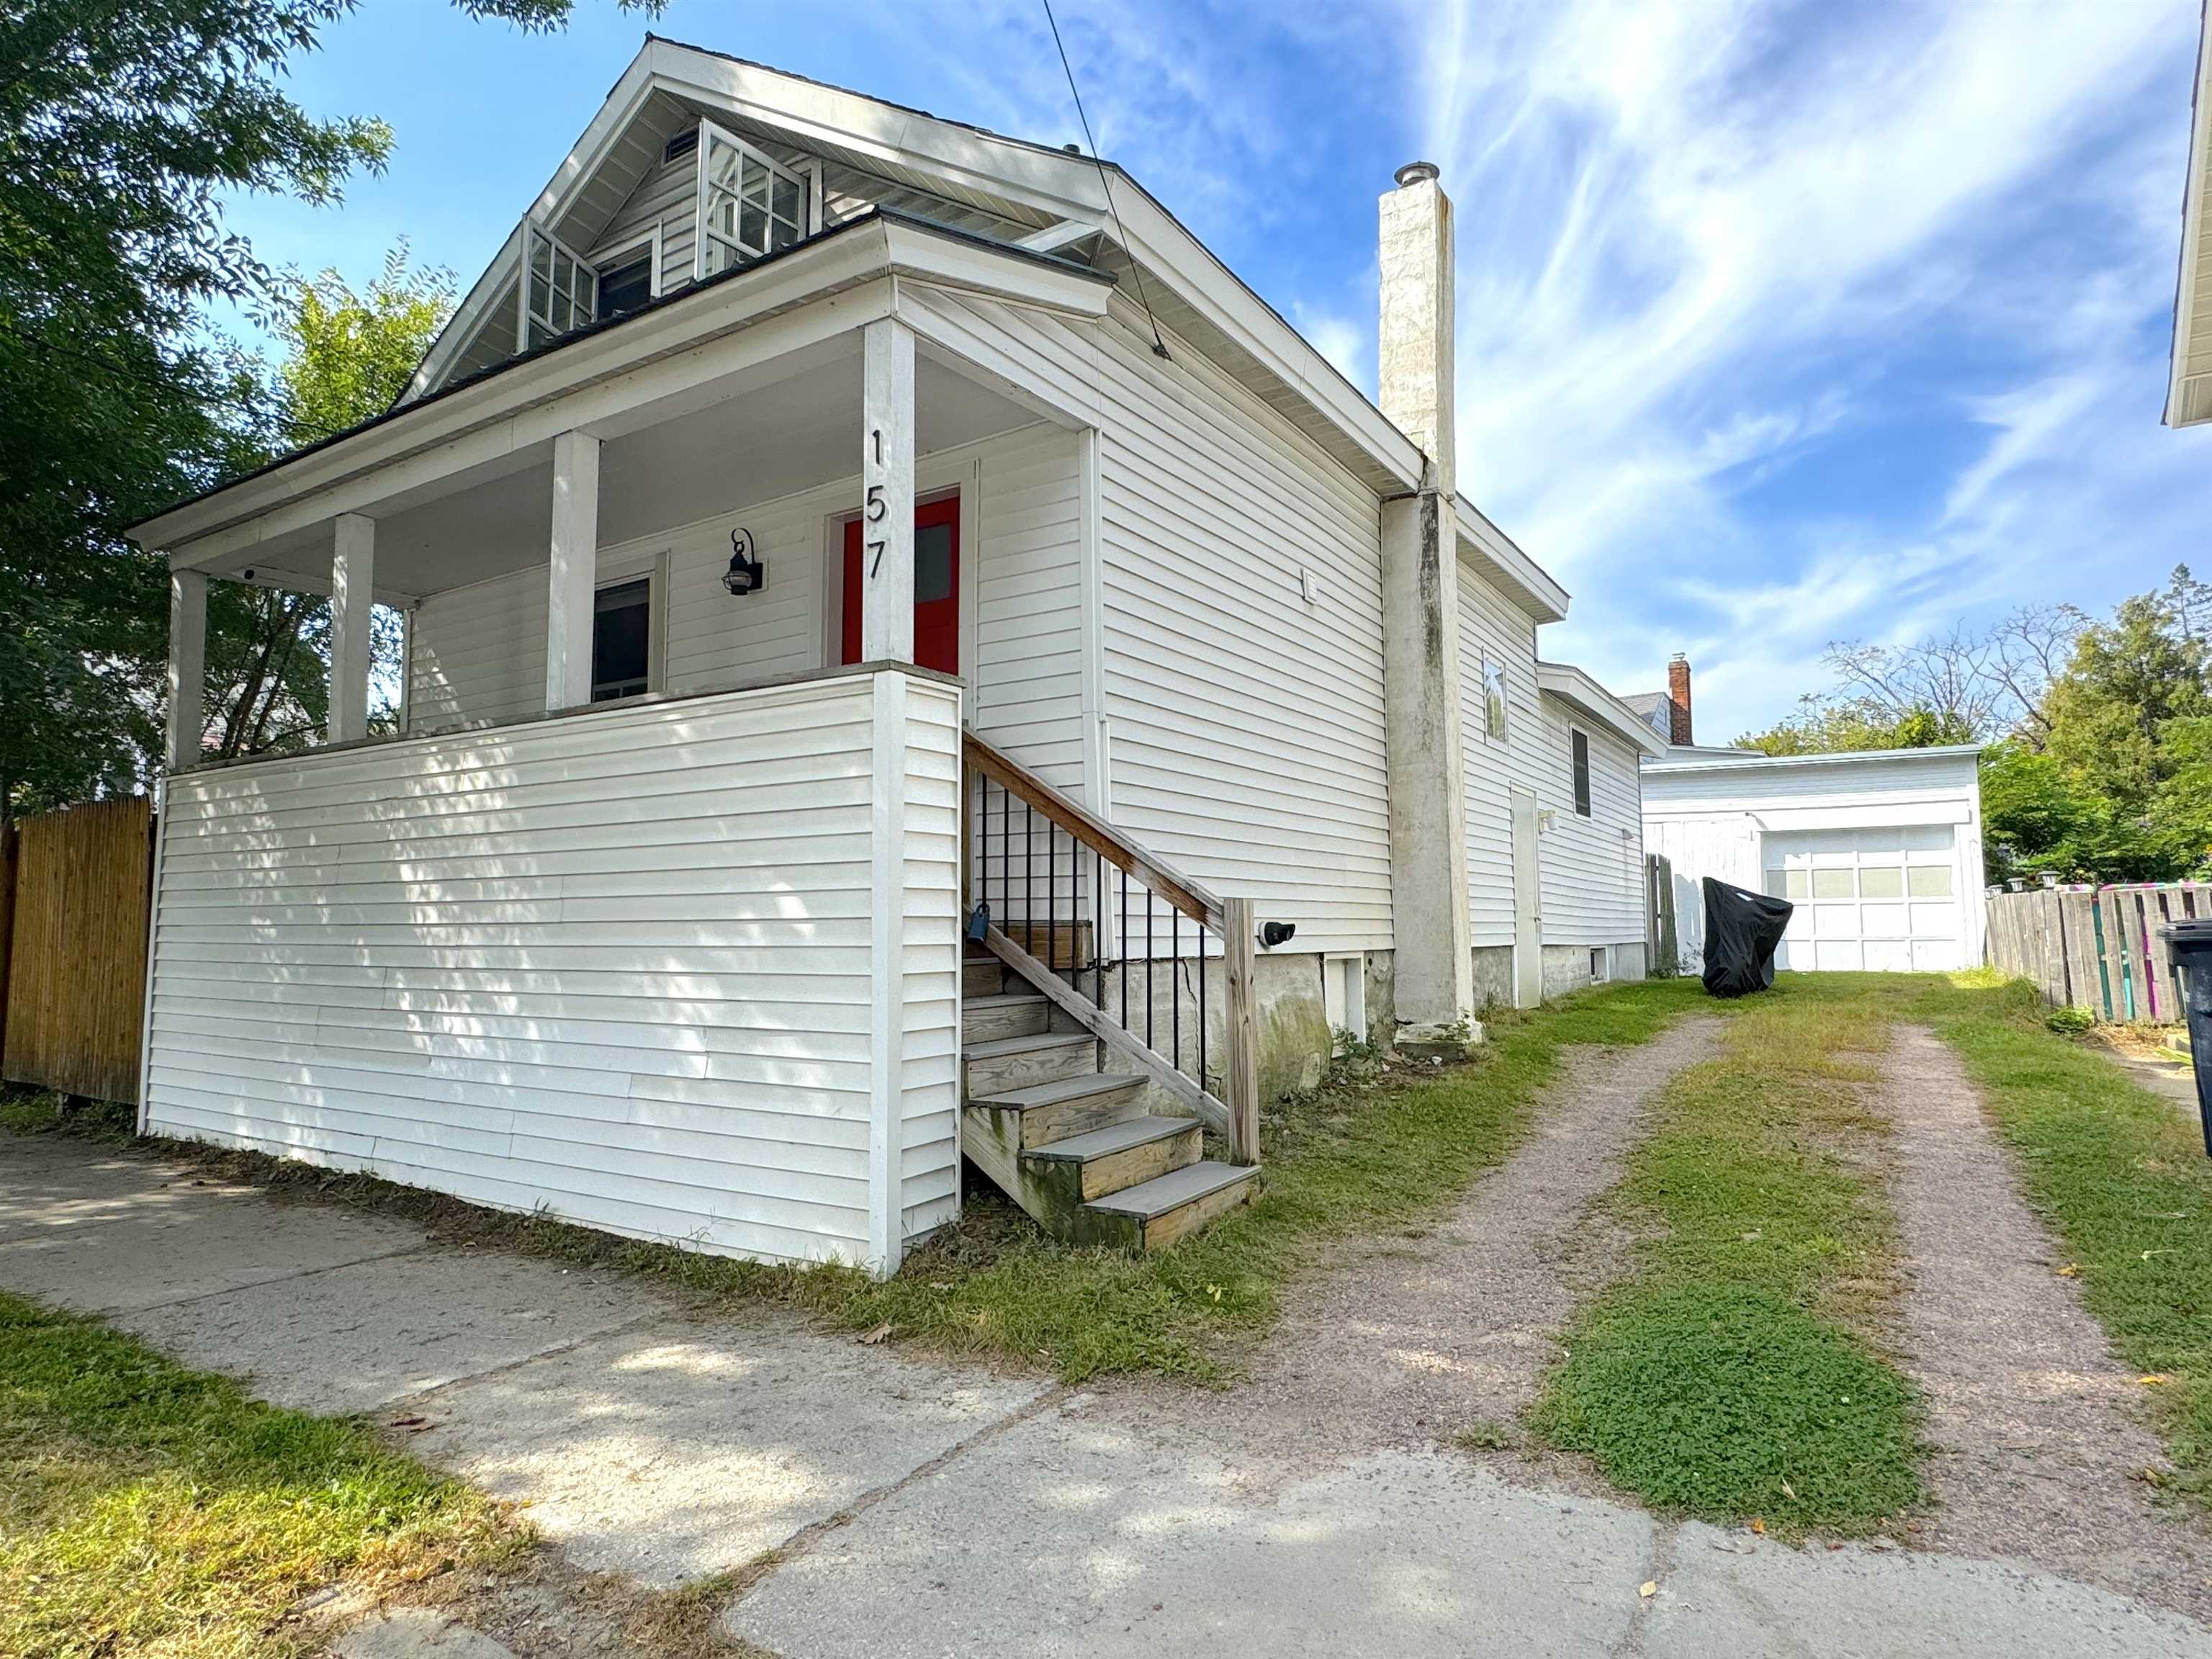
(1416, 173)
(1679, 657)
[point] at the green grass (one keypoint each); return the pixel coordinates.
(148, 1509)
(1731, 1375)
(1360, 1156)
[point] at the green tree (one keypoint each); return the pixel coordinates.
(2129, 679)
(1824, 726)
(123, 125)
(347, 356)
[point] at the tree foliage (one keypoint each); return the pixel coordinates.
(123, 126)
(347, 356)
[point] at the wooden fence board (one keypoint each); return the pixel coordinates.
(76, 979)
(2099, 951)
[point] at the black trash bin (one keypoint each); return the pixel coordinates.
(2191, 944)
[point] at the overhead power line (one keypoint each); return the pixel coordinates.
(1159, 345)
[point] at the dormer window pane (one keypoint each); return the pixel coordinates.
(749, 204)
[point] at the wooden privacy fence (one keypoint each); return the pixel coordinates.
(2097, 948)
(73, 966)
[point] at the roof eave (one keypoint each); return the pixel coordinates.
(1575, 687)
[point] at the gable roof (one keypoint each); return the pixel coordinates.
(1575, 688)
(2189, 379)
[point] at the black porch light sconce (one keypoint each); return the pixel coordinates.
(746, 574)
(1272, 933)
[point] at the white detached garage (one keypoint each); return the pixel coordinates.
(1879, 851)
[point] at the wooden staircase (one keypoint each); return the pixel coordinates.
(1075, 1146)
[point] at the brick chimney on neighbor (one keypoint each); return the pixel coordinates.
(1677, 700)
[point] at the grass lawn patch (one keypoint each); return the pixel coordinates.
(149, 1510)
(1733, 1373)
(1367, 1153)
(2120, 1175)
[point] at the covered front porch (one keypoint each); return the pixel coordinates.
(795, 469)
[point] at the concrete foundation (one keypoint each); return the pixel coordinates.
(1567, 967)
(1493, 976)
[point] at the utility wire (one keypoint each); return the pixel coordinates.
(1159, 345)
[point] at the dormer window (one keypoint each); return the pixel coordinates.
(560, 292)
(750, 205)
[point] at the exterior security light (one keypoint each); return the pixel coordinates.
(746, 574)
(1272, 933)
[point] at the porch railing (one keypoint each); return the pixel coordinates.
(1072, 903)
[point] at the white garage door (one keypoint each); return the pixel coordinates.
(1877, 899)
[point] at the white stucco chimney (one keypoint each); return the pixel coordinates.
(1432, 965)
(1416, 340)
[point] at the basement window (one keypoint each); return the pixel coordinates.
(1343, 996)
(621, 640)
(1580, 745)
(1597, 964)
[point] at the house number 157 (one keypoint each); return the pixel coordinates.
(876, 507)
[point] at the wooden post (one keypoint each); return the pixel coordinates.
(887, 492)
(575, 571)
(1241, 1020)
(187, 665)
(353, 576)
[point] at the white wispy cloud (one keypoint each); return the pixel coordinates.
(1701, 242)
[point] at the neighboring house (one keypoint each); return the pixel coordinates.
(2188, 386)
(831, 538)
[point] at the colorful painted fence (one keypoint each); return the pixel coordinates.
(2097, 948)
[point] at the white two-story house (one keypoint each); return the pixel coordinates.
(907, 658)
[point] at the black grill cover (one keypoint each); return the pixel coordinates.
(1741, 930)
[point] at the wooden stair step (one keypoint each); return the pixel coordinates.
(1016, 1062)
(1100, 1162)
(1008, 1014)
(1053, 1111)
(1155, 1214)
(982, 974)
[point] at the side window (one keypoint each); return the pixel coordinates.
(559, 290)
(626, 283)
(1493, 699)
(1581, 746)
(621, 640)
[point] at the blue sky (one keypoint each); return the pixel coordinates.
(1778, 324)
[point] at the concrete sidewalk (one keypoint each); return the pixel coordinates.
(927, 1510)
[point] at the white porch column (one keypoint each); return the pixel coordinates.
(887, 492)
(187, 665)
(353, 581)
(574, 570)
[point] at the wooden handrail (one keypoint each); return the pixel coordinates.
(1237, 1117)
(1185, 894)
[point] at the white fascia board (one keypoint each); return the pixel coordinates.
(588, 383)
(1844, 758)
(1066, 186)
(1570, 685)
(469, 316)
(1528, 584)
(2193, 231)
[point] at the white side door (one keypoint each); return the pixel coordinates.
(1528, 905)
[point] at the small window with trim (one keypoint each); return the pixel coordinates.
(621, 640)
(1580, 747)
(1493, 700)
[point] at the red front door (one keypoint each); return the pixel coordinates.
(936, 587)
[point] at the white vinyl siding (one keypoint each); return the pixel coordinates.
(1245, 726)
(1592, 867)
(1493, 629)
(667, 199)
(616, 964)
(477, 654)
